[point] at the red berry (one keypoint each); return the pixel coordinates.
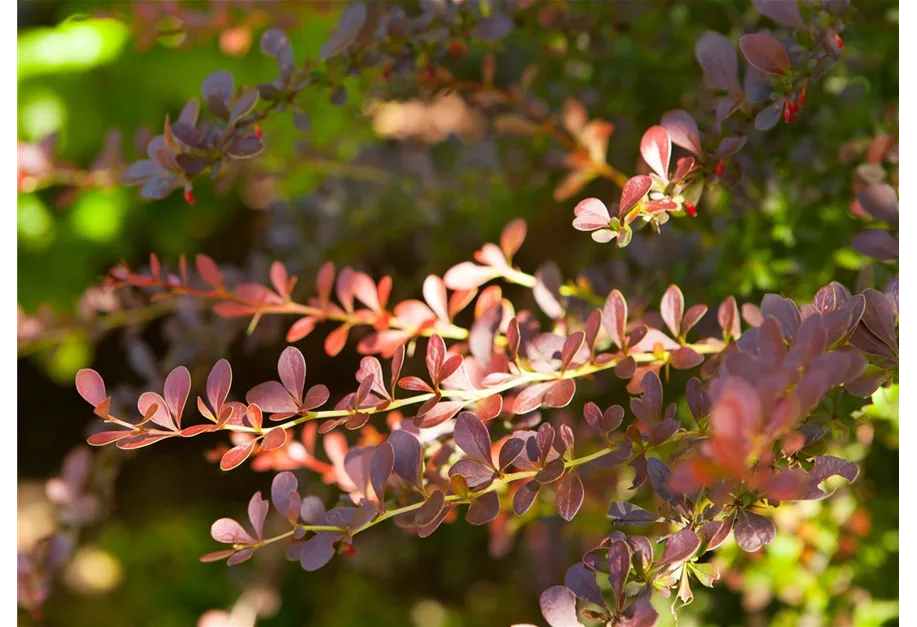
(802, 97)
(794, 108)
(386, 72)
(457, 48)
(838, 41)
(347, 549)
(720, 168)
(258, 132)
(787, 112)
(189, 197)
(691, 209)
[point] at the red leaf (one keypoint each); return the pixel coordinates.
(292, 370)
(436, 353)
(560, 393)
(483, 509)
(272, 397)
(177, 387)
(107, 437)
(236, 455)
(274, 439)
(209, 271)
(301, 328)
(218, 384)
(279, 278)
(324, 283)
(336, 340)
(512, 237)
(614, 315)
(438, 414)
(570, 495)
(489, 407)
(473, 438)
(633, 192)
(414, 383)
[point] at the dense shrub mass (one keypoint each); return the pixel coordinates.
(505, 387)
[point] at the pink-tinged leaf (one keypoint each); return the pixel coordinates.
(672, 309)
(468, 276)
(728, 317)
(152, 405)
(364, 289)
(715, 532)
(236, 455)
(679, 547)
(315, 397)
(718, 59)
(525, 497)
(729, 146)
(344, 287)
(292, 370)
(753, 532)
(229, 531)
(317, 550)
(683, 131)
(685, 358)
(877, 244)
(591, 214)
(474, 474)
(282, 488)
(572, 345)
(530, 398)
(216, 556)
(415, 384)
(483, 509)
(614, 316)
(551, 472)
(218, 384)
(558, 606)
(324, 283)
(438, 414)
(431, 508)
(336, 340)
(208, 270)
(255, 416)
(380, 468)
(512, 236)
(570, 496)
(427, 530)
(785, 12)
(692, 317)
(272, 397)
(257, 513)
(90, 386)
(232, 310)
(107, 437)
(279, 278)
(647, 343)
(473, 438)
(633, 192)
(143, 440)
(240, 556)
(436, 353)
(765, 53)
(177, 387)
(656, 149)
(434, 292)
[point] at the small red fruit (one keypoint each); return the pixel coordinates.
(691, 209)
(386, 72)
(802, 97)
(457, 48)
(794, 108)
(838, 41)
(189, 197)
(347, 549)
(720, 168)
(787, 112)
(258, 132)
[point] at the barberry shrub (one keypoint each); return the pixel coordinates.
(470, 382)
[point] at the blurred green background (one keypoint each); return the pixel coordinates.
(355, 197)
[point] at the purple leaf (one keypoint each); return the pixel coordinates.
(317, 550)
(524, 497)
(752, 531)
(685, 358)
(570, 496)
(292, 370)
(880, 201)
(785, 12)
(827, 466)
(764, 53)
(483, 509)
(614, 316)
(618, 569)
(682, 129)
(769, 116)
(312, 511)
(431, 508)
(473, 438)
(660, 478)
(581, 581)
(877, 244)
(91, 387)
(510, 450)
(282, 488)
(717, 57)
(218, 384)
(680, 547)
(407, 456)
(475, 474)
(257, 512)
(493, 28)
(177, 387)
(629, 514)
(380, 468)
(552, 471)
(558, 606)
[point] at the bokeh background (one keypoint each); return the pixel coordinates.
(397, 184)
